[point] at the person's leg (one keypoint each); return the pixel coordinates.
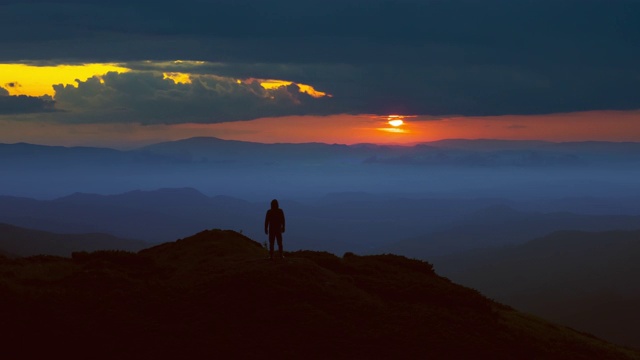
(280, 249)
(272, 238)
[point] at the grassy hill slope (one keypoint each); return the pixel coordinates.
(587, 280)
(214, 294)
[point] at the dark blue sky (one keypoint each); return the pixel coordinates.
(421, 57)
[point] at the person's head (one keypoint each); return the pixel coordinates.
(274, 204)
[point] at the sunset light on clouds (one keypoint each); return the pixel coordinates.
(87, 114)
(32, 80)
(405, 86)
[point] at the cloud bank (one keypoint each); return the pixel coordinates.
(152, 98)
(22, 104)
(429, 57)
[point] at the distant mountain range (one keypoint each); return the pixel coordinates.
(243, 169)
(339, 222)
(153, 216)
(501, 225)
(444, 152)
(587, 280)
(215, 295)
(336, 223)
(16, 241)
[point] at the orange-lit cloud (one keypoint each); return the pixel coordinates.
(24, 79)
(309, 90)
(178, 78)
(31, 80)
(107, 92)
(272, 84)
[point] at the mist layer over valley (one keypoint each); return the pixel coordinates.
(253, 171)
(425, 200)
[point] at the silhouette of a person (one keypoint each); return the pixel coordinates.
(274, 226)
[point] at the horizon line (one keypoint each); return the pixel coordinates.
(406, 145)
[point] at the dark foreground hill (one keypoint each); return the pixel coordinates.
(215, 295)
(587, 280)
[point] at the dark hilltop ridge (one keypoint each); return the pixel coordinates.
(215, 295)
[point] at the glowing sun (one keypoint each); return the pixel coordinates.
(395, 120)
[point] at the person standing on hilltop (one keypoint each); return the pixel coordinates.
(274, 226)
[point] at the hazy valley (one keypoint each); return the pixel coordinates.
(251, 171)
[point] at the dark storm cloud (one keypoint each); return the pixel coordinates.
(22, 104)
(421, 56)
(149, 98)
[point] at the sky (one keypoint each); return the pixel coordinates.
(128, 73)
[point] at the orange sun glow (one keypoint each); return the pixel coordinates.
(395, 120)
